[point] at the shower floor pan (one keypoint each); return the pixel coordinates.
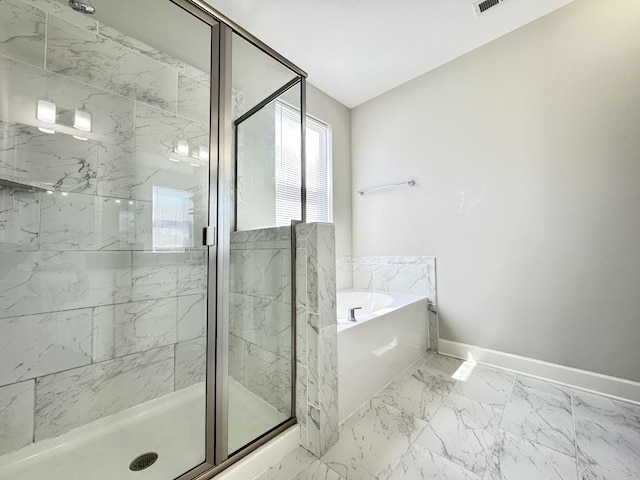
(171, 426)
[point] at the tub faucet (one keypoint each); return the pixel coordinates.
(352, 314)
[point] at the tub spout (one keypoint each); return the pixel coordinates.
(352, 314)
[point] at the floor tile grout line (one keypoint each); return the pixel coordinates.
(493, 445)
(575, 435)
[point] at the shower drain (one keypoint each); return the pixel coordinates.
(143, 461)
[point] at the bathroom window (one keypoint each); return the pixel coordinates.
(172, 219)
(287, 167)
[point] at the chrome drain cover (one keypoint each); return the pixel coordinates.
(143, 461)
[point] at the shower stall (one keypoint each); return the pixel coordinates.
(146, 271)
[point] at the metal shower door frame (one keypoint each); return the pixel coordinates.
(221, 216)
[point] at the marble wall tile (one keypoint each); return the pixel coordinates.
(301, 277)
(393, 259)
(35, 345)
(19, 220)
(67, 399)
(37, 282)
(61, 9)
(259, 273)
(158, 131)
(434, 328)
(313, 300)
(301, 394)
(68, 222)
(93, 59)
(304, 438)
(303, 231)
(111, 115)
(16, 416)
(328, 361)
(431, 281)
(344, 274)
(137, 46)
(128, 172)
(363, 276)
(137, 326)
(261, 239)
(191, 362)
(57, 162)
(268, 376)
(237, 350)
(314, 361)
(411, 275)
(192, 273)
(202, 77)
(104, 333)
(326, 270)
(192, 316)
(121, 172)
(155, 275)
(22, 29)
(275, 334)
(194, 99)
(245, 314)
(122, 224)
(313, 429)
(411, 279)
(301, 335)
(317, 347)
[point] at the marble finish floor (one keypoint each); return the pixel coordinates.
(445, 419)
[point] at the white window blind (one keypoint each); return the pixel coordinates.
(287, 171)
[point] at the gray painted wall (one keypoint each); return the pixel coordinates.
(325, 108)
(526, 154)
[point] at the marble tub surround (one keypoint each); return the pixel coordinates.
(458, 426)
(95, 293)
(317, 346)
(413, 275)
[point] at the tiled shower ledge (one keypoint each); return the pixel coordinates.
(493, 425)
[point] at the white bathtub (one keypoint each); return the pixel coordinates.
(390, 333)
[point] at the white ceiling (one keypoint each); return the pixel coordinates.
(355, 50)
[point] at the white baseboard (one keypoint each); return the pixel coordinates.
(582, 379)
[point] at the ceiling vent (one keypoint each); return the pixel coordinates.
(485, 5)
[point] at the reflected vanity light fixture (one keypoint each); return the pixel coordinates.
(182, 148)
(203, 154)
(46, 112)
(82, 121)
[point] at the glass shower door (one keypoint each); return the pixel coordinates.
(261, 346)
(104, 190)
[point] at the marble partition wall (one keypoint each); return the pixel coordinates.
(260, 314)
(91, 297)
(400, 274)
(317, 341)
